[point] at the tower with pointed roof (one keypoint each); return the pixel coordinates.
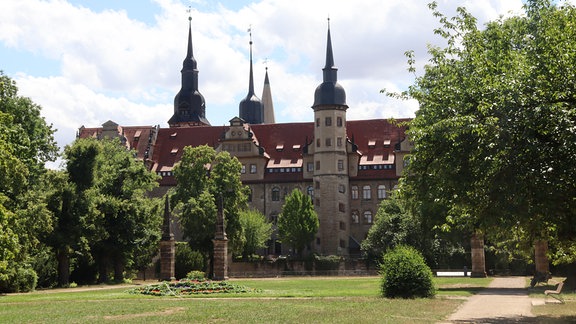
(189, 104)
(267, 103)
(251, 110)
(331, 178)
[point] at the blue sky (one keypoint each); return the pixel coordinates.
(89, 61)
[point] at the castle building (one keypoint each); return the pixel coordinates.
(346, 166)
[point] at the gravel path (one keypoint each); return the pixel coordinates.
(505, 300)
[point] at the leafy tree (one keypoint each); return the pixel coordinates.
(70, 199)
(29, 131)
(494, 137)
(298, 222)
(256, 231)
(26, 142)
(206, 180)
(397, 225)
(393, 226)
(130, 222)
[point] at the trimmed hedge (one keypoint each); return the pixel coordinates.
(405, 274)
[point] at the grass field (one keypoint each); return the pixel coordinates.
(279, 300)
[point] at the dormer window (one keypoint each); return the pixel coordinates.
(174, 151)
(173, 135)
(296, 147)
(280, 147)
(372, 144)
(137, 135)
(386, 143)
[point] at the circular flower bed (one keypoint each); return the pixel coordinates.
(190, 287)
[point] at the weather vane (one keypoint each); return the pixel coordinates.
(189, 11)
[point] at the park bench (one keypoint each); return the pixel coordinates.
(556, 293)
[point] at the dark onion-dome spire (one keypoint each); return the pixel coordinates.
(329, 92)
(251, 110)
(189, 104)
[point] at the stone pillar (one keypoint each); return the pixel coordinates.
(478, 260)
(541, 257)
(220, 247)
(167, 246)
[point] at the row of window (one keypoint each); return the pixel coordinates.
(328, 121)
(367, 192)
(377, 167)
(284, 170)
(367, 217)
(328, 142)
(355, 190)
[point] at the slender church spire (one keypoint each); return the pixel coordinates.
(189, 104)
(251, 107)
(267, 103)
(329, 92)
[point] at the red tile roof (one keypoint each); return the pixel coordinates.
(283, 143)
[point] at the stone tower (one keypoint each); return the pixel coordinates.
(331, 179)
(189, 104)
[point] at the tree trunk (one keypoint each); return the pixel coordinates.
(118, 271)
(63, 267)
(102, 270)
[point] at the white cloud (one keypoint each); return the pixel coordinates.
(114, 67)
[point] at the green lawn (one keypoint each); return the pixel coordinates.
(281, 300)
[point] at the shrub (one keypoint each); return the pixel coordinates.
(19, 280)
(327, 263)
(186, 260)
(196, 275)
(405, 274)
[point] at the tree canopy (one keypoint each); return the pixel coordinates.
(495, 135)
(205, 180)
(298, 221)
(26, 143)
(256, 231)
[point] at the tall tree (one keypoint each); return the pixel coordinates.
(30, 132)
(298, 222)
(26, 143)
(130, 221)
(256, 231)
(206, 181)
(494, 137)
(70, 198)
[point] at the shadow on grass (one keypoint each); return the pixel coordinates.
(539, 319)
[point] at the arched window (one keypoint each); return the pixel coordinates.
(368, 217)
(381, 191)
(275, 194)
(366, 193)
(354, 192)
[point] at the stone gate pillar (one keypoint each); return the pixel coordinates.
(541, 257)
(167, 247)
(478, 259)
